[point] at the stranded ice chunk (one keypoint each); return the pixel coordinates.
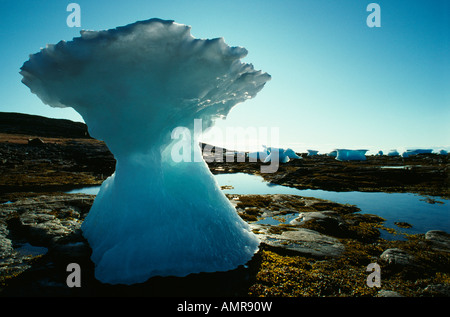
(255, 156)
(332, 153)
(351, 155)
(259, 155)
(283, 155)
(133, 86)
(291, 154)
(393, 153)
(409, 153)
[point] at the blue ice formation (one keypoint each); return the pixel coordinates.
(393, 153)
(380, 153)
(442, 152)
(284, 155)
(312, 152)
(351, 155)
(133, 86)
(259, 155)
(409, 153)
(332, 153)
(291, 154)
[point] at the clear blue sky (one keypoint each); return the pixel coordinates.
(335, 81)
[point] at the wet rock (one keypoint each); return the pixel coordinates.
(326, 222)
(396, 257)
(321, 216)
(362, 227)
(437, 290)
(14, 256)
(5, 243)
(27, 249)
(41, 228)
(39, 236)
(304, 241)
(48, 232)
(438, 239)
(386, 293)
(46, 221)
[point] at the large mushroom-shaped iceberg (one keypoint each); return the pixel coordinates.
(133, 85)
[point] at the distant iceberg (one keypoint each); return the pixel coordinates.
(351, 155)
(442, 152)
(312, 152)
(291, 154)
(393, 153)
(332, 153)
(380, 153)
(284, 156)
(409, 153)
(258, 155)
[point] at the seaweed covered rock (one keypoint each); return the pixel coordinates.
(439, 290)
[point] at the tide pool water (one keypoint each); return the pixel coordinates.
(402, 207)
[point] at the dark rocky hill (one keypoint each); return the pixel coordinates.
(19, 123)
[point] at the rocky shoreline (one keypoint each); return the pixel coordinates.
(309, 247)
(424, 174)
(55, 164)
(322, 251)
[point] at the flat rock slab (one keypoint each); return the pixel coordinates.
(304, 241)
(314, 215)
(33, 226)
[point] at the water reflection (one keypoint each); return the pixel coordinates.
(421, 212)
(402, 207)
